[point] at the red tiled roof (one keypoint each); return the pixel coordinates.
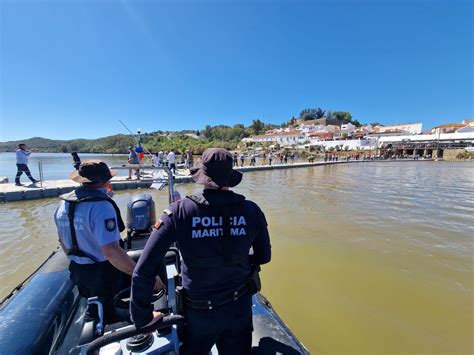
(450, 125)
(293, 133)
(321, 134)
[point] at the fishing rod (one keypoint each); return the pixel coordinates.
(138, 140)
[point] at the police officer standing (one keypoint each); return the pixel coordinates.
(89, 226)
(214, 231)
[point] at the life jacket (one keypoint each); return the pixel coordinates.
(230, 257)
(72, 200)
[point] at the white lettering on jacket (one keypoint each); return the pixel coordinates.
(200, 226)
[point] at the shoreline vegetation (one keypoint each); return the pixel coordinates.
(196, 141)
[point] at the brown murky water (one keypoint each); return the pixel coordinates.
(372, 258)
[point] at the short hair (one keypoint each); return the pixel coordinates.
(21, 144)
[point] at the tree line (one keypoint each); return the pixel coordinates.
(196, 141)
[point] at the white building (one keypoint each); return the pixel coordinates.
(313, 128)
(348, 128)
(282, 138)
(410, 128)
(349, 144)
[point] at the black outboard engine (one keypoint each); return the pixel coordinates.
(141, 217)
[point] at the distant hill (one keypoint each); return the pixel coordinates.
(39, 143)
(155, 141)
(194, 140)
(110, 144)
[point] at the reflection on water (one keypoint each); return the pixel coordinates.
(372, 258)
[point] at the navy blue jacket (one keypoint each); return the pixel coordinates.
(197, 228)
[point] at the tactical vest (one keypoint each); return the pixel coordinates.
(230, 256)
(73, 201)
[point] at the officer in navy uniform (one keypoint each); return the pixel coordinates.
(89, 226)
(215, 231)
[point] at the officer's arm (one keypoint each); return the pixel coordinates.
(118, 257)
(262, 250)
(146, 270)
(105, 229)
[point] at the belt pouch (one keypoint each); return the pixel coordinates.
(255, 285)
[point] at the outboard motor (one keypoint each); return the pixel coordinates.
(141, 217)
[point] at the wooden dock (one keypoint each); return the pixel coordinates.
(51, 188)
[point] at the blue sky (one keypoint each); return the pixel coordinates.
(72, 69)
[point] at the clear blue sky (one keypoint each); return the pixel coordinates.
(72, 69)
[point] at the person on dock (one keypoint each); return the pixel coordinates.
(188, 162)
(22, 156)
(172, 161)
(89, 226)
(161, 158)
(155, 161)
(270, 158)
(242, 159)
(215, 230)
(236, 161)
(76, 159)
(253, 159)
(133, 160)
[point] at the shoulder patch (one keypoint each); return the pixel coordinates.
(110, 224)
(167, 211)
(158, 224)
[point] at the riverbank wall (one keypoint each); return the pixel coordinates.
(53, 188)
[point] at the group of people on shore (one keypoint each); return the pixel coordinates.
(159, 159)
(264, 159)
(170, 159)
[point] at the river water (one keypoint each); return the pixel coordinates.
(370, 258)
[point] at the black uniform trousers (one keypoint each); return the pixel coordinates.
(23, 168)
(101, 280)
(228, 326)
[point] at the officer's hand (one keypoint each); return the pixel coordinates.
(158, 284)
(156, 317)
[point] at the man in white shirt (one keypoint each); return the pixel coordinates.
(172, 161)
(22, 156)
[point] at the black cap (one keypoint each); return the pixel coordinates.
(92, 171)
(216, 169)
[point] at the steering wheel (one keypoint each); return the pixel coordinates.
(122, 298)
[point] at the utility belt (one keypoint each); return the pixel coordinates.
(215, 301)
(251, 287)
